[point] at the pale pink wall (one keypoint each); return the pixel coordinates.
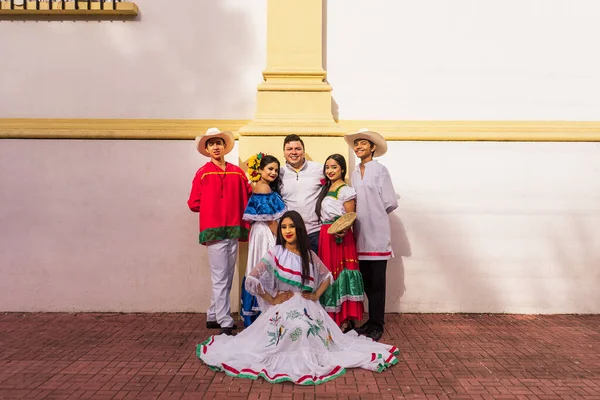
(100, 225)
(180, 59)
(489, 227)
(495, 227)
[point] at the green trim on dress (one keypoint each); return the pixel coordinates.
(335, 193)
(223, 232)
(349, 283)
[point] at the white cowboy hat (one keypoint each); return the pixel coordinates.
(374, 137)
(214, 133)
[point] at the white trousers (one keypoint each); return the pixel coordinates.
(222, 255)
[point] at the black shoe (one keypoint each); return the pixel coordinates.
(364, 329)
(349, 327)
(212, 325)
(215, 325)
(375, 334)
(226, 331)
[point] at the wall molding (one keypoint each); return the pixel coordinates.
(521, 131)
(33, 128)
(553, 131)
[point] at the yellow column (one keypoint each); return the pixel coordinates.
(294, 97)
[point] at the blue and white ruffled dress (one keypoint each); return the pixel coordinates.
(261, 209)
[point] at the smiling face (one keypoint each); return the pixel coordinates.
(333, 170)
(364, 149)
(288, 231)
(270, 172)
(294, 154)
(216, 148)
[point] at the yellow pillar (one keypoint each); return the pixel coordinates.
(294, 97)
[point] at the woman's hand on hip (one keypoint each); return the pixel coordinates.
(282, 297)
(310, 296)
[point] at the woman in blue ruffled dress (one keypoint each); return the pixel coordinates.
(264, 209)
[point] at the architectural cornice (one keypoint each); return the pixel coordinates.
(550, 131)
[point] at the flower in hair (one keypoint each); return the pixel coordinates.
(253, 165)
(323, 182)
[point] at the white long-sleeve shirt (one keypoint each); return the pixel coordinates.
(375, 199)
(300, 191)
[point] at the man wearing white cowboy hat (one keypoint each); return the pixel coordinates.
(375, 199)
(220, 192)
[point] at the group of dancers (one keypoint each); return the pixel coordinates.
(303, 291)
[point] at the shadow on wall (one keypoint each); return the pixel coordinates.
(395, 270)
(184, 61)
(334, 105)
(190, 47)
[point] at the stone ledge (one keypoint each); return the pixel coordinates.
(395, 130)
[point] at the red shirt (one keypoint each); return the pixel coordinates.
(220, 197)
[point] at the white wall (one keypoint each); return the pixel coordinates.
(100, 225)
(495, 227)
(464, 59)
(482, 227)
(198, 59)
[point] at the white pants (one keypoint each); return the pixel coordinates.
(222, 255)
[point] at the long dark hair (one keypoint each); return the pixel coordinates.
(266, 160)
(302, 241)
(338, 158)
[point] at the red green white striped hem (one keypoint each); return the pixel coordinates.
(248, 373)
(383, 362)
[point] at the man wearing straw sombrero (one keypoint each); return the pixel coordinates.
(220, 192)
(375, 199)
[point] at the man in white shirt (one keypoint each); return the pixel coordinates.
(300, 186)
(375, 200)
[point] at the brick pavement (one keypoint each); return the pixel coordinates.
(444, 356)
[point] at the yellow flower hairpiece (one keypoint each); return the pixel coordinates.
(253, 165)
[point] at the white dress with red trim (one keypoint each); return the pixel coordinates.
(295, 341)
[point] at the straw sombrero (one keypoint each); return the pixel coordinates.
(214, 133)
(342, 223)
(373, 136)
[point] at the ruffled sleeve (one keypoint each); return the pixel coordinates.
(262, 280)
(264, 207)
(321, 272)
(346, 193)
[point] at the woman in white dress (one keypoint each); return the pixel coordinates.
(294, 339)
(264, 209)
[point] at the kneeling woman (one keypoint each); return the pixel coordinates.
(294, 339)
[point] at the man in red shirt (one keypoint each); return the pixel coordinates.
(220, 192)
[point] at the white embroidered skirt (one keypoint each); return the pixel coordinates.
(295, 341)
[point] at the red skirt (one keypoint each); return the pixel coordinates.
(343, 300)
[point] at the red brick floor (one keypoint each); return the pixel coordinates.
(456, 356)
